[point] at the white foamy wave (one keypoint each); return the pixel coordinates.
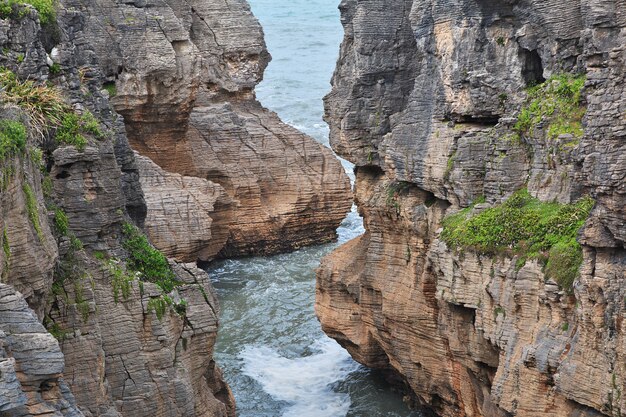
(305, 382)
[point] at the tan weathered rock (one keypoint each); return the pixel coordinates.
(424, 99)
(188, 218)
(185, 74)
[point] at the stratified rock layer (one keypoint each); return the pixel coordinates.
(184, 76)
(188, 217)
(125, 348)
(31, 363)
(424, 99)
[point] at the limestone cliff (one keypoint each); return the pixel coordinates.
(448, 109)
(183, 75)
(134, 332)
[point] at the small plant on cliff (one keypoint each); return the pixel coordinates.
(557, 102)
(32, 210)
(145, 259)
(110, 88)
(12, 139)
(61, 222)
(161, 304)
(54, 329)
(122, 280)
(393, 193)
(6, 248)
(8, 8)
(48, 111)
(525, 227)
(43, 104)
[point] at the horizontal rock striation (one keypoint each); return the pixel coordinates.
(188, 218)
(183, 76)
(433, 101)
(131, 339)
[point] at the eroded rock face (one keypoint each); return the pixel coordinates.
(188, 217)
(185, 74)
(424, 100)
(124, 347)
(31, 362)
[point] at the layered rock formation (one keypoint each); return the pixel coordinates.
(183, 75)
(129, 340)
(428, 101)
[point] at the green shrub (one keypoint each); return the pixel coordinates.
(6, 248)
(54, 329)
(110, 88)
(60, 221)
(44, 7)
(68, 132)
(564, 261)
(526, 227)
(557, 102)
(43, 104)
(146, 260)
(12, 139)
(159, 305)
(48, 111)
(5, 244)
(122, 280)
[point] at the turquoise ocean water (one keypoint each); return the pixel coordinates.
(273, 352)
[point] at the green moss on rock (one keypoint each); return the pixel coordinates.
(558, 104)
(526, 227)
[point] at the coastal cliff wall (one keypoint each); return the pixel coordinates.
(93, 320)
(490, 141)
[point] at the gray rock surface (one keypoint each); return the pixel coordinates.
(31, 363)
(120, 353)
(426, 92)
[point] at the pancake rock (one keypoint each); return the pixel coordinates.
(448, 109)
(183, 76)
(115, 329)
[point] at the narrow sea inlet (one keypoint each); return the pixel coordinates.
(273, 352)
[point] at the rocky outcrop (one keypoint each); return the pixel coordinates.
(183, 76)
(428, 101)
(31, 363)
(188, 217)
(131, 340)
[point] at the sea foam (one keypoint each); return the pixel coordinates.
(305, 384)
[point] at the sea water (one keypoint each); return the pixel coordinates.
(274, 355)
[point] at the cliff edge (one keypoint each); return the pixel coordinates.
(489, 143)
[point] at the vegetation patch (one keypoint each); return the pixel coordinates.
(161, 304)
(122, 280)
(32, 209)
(525, 227)
(146, 260)
(48, 111)
(558, 104)
(61, 222)
(72, 127)
(394, 190)
(110, 88)
(8, 8)
(54, 329)
(12, 139)
(6, 248)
